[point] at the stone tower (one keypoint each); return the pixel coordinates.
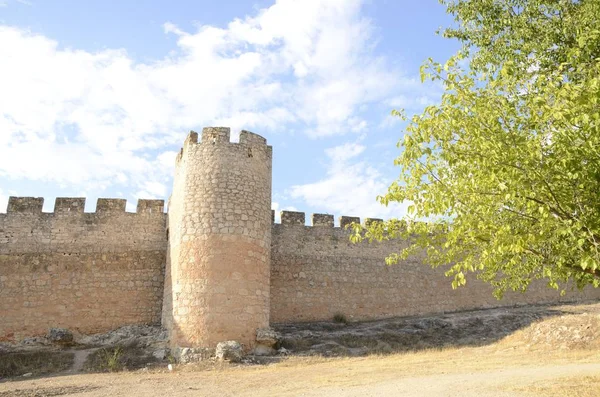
(218, 264)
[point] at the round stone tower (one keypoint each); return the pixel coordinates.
(218, 271)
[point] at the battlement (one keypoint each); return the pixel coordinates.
(214, 135)
(150, 206)
(219, 136)
(65, 205)
(222, 273)
(25, 205)
(251, 139)
(75, 206)
(105, 205)
(295, 218)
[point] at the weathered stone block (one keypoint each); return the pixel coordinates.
(347, 220)
(230, 350)
(322, 220)
(60, 336)
(292, 218)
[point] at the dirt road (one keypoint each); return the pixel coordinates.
(499, 383)
(428, 374)
(549, 352)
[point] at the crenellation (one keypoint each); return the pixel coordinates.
(69, 205)
(251, 139)
(78, 270)
(371, 221)
(191, 139)
(217, 266)
(215, 135)
(292, 218)
(150, 206)
(320, 220)
(110, 206)
(25, 205)
(347, 220)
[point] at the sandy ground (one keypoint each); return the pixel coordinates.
(465, 372)
(551, 352)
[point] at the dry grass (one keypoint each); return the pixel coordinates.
(295, 374)
(557, 355)
(117, 358)
(575, 386)
(48, 391)
(36, 363)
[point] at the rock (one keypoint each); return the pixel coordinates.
(159, 354)
(138, 335)
(186, 355)
(262, 350)
(27, 375)
(384, 347)
(34, 341)
(60, 336)
(267, 337)
(358, 351)
(283, 351)
(230, 350)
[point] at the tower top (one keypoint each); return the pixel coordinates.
(220, 136)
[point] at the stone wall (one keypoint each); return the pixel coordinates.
(219, 240)
(316, 272)
(89, 272)
(93, 272)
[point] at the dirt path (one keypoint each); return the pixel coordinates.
(333, 378)
(499, 383)
(79, 358)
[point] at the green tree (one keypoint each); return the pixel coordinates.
(505, 169)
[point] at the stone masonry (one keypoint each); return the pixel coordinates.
(220, 240)
(215, 268)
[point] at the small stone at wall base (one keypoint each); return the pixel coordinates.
(160, 354)
(230, 350)
(263, 350)
(267, 337)
(186, 355)
(60, 336)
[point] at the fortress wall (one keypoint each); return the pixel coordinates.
(316, 272)
(89, 272)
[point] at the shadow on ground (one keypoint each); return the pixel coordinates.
(460, 329)
(141, 347)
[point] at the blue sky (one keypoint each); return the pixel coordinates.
(96, 97)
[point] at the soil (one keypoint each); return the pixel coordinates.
(565, 326)
(497, 352)
(307, 381)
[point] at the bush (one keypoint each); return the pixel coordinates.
(340, 318)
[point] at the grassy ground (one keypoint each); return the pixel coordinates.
(118, 358)
(36, 363)
(573, 386)
(495, 370)
(553, 355)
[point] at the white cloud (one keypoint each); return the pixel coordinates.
(152, 189)
(276, 207)
(99, 119)
(5, 3)
(3, 201)
(350, 186)
(406, 102)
